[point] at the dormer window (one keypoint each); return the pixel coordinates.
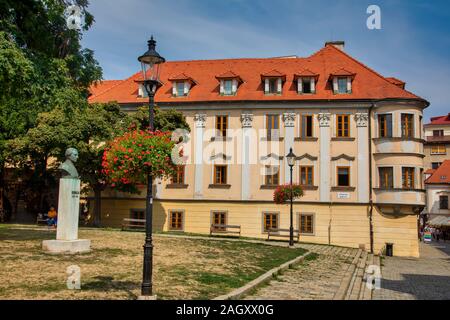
(229, 83)
(181, 85)
(306, 81)
(273, 82)
(142, 93)
(274, 85)
(342, 81)
(228, 87)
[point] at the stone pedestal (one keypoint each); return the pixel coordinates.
(66, 246)
(68, 214)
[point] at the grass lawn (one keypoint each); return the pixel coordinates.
(183, 268)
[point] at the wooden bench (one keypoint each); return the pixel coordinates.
(133, 224)
(224, 229)
(282, 233)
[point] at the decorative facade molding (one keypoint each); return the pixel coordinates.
(343, 156)
(200, 120)
(272, 155)
(361, 119)
(307, 156)
(247, 120)
(324, 119)
(289, 119)
(220, 156)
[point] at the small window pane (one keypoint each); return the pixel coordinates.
(180, 89)
(228, 87)
(306, 84)
(307, 126)
(270, 221)
(343, 176)
(408, 178)
(176, 220)
(342, 85)
(386, 178)
(272, 177)
(306, 224)
(407, 125)
(443, 202)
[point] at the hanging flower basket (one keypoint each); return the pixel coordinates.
(282, 194)
(129, 158)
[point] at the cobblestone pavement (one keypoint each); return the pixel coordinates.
(316, 279)
(425, 278)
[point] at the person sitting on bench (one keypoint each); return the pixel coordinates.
(52, 217)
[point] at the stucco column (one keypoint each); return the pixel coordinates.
(200, 122)
(325, 181)
(362, 120)
(247, 120)
(289, 136)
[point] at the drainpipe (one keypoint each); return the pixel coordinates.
(370, 181)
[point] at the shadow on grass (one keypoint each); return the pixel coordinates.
(105, 284)
(26, 235)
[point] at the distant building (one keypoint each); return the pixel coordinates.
(357, 136)
(437, 141)
(437, 186)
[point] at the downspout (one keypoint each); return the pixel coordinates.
(370, 181)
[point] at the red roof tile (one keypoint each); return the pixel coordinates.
(229, 75)
(441, 175)
(342, 73)
(101, 86)
(430, 171)
(368, 84)
(181, 77)
(273, 74)
(441, 120)
(399, 83)
(306, 73)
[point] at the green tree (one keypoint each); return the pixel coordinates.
(86, 129)
(42, 66)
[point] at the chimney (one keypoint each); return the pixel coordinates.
(338, 44)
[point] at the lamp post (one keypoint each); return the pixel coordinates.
(150, 63)
(291, 162)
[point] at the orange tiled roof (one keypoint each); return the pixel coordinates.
(306, 73)
(399, 83)
(180, 77)
(441, 120)
(367, 85)
(441, 175)
(227, 75)
(430, 171)
(101, 86)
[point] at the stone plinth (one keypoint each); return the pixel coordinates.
(67, 241)
(68, 209)
(66, 246)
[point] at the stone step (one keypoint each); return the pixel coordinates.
(366, 293)
(359, 274)
(347, 280)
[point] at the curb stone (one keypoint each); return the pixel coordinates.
(238, 293)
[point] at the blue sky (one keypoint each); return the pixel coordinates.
(413, 44)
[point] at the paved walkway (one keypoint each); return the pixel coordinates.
(426, 278)
(317, 279)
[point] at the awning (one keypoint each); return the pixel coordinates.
(440, 221)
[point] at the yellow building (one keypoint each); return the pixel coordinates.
(356, 134)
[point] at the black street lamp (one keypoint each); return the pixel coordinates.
(291, 162)
(150, 63)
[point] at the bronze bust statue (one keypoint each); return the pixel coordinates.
(67, 168)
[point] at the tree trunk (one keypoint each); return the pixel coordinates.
(98, 206)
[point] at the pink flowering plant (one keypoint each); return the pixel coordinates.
(129, 158)
(282, 194)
